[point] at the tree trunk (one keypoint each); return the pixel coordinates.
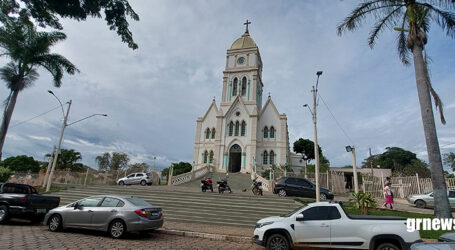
(7, 118)
(441, 203)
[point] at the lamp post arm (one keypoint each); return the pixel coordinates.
(85, 118)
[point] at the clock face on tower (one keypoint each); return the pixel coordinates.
(241, 60)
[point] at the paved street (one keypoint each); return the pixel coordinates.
(22, 235)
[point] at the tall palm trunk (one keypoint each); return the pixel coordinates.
(441, 203)
(7, 118)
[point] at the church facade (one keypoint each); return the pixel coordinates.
(241, 134)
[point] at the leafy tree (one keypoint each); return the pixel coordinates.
(306, 147)
(411, 19)
(103, 161)
(48, 12)
(165, 172)
(21, 163)
(5, 173)
(67, 159)
(181, 168)
(449, 159)
(138, 167)
(28, 50)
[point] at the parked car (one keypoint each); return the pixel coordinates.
(294, 186)
(447, 237)
(433, 246)
(427, 200)
(325, 224)
(136, 178)
(23, 201)
(114, 214)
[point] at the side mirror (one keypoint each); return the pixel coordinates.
(77, 206)
(299, 217)
(431, 195)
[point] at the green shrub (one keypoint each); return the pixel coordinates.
(362, 201)
(5, 173)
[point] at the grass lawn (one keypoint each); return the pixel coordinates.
(427, 234)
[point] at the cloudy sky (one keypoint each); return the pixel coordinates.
(154, 95)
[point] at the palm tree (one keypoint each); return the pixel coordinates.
(28, 50)
(411, 19)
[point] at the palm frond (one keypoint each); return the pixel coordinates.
(445, 19)
(388, 21)
(56, 65)
(403, 51)
(16, 79)
(375, 7)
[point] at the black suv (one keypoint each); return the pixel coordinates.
(293, 186)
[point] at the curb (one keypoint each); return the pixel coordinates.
(221, 237)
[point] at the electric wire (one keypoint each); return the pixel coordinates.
(22, 122)
(336, 121)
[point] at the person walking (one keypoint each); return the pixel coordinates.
(388, 196)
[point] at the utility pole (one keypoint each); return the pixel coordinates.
(316, 147)
(48, 169)
(371, 164)
(356, 181)
(49, 181)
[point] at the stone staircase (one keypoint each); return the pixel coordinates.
(187, 204)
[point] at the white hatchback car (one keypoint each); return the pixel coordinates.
(136, 178)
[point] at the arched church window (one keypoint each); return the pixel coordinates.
(266, 132)
(243, 131)
(234, 87)
(205, 156)
(272, 157)
(211, 157)
(265, 157)
(244, 86)
(207, 133)
(213, 133)
(272, 132)
(231, 128)
(237, 125)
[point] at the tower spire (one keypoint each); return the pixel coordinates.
(246, 24)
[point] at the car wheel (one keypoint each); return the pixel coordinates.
(282, 193)
(55, 223)
(278, 242)
(420, 204)
(121, 183)
(322, 197)
(387, 246)
(117, 229)
(4, 214)
(143, 183)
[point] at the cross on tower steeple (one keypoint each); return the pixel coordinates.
(246, 23)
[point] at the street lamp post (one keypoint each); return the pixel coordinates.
(64, 125)
(354, 167)
(316, 147)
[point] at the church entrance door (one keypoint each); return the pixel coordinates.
(235, 158)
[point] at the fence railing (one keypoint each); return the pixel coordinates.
(187, 177)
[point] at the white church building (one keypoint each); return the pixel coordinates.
(241, 133)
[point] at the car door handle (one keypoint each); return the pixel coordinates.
(113, 211)
(324, 225)
(90, 211)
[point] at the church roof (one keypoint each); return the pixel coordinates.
(244, 42)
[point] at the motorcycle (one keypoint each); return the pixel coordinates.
(256, 187)
(206, 184)
(223, 186)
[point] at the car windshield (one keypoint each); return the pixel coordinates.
(138, 202)
(293, 211)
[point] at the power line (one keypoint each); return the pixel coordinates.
(19, 123)
(344, 132)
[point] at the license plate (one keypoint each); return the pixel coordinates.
(41, 211)
(155, 213)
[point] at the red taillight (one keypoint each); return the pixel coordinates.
(141, 212)
(147, 177)
(161, 214)
(23, 199)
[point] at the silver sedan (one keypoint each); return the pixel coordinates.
(111, 213)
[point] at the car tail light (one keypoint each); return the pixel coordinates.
(23, 199)
(141, 212)
(161, 214)
(147, 177)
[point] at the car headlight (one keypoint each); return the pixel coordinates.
(259, 225)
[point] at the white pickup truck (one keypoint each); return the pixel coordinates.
(326, 224)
